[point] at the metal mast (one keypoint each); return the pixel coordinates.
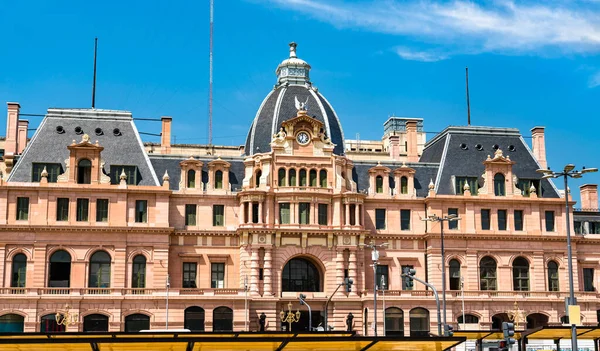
(210, 82)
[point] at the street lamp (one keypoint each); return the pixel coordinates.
(441, 220)
(375, 259)
(568, 171)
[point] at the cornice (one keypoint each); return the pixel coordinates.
(91, 229)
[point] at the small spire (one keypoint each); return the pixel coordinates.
(431, 185)
(293, 49)
(532, 189)
(44, 173)
(166, 176)
(123, 176)
(466, 187)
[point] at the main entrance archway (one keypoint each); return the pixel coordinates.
(301, 275)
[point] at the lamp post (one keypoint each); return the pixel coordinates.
(462, 294)
(246, 302)
(67, 319)
(568, 171)
(167, 303)
(302, 299)
(375, 259)
(383, 300)
(441, 220)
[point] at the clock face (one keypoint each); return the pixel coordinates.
(303, 138)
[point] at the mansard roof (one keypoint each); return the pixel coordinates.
(461, 152)
(424, 172)
(121, 147)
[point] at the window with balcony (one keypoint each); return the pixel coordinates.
(83, 207)
(22, 208)
(255, 214)
(323, 178)
(313, 177)
(218, 215)
(217, 275)
(59, 270)
(485, 219)
(501, 219)
(499, 185)
(520, 274)
(383, 277)
(99, 274)
(549, 221)
(518, 218)
(404, 219)
(281, 177)
(454, 268)
(487, 273)
(323, 214)
(292, 177)
(19, 271)
(553, 276)
(284, 212)
(303, 177)
(190, 214)
(588, 279)
(189, 274)
(304, 213)
(138, 278)
(380, 218)
(141, 211)
(62, 209)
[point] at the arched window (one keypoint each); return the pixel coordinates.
(12, 323)
(499, 186)
(454, 274)
(394, 322)
(313, 177)
(281, 177)
(299, 274)
(497, 320)
(536, 320)
(469, 319)
(219, 179)
(257, 176)
(379, 184)
(419, 322)
(323, 178)
(191, 179)
(138, 278)
(193, 319)
(84, 171)
(403, 185)
(137, 322)
(222, 319)
(487, 273)
(520, 274)
(553, 276)
(48, 324)
(59, 275)
(303, 177)
(99, 276)
(19, 271)
(292, 180)
(95, 323)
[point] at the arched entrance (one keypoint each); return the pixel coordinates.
(497, 320)
(394, 322)
(95, 323)
(222, 319)
(194, 319)
(12, 323)
(137, 322)
(300, 275)
(419, 322)
(536, 320)
(48, 324)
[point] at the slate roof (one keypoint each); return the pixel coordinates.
(457, 159)
(279, 106)
(171, 165)
(424, 172)
(49, 146)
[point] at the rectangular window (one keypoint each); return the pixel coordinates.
(217, 275)
(383, 277)
(141, 211)
(460, 185)
(255, 212)
(453, 225)
(485, 219)
(62, 209)
(22, 208)
(501, 219)
(130, 171)
(83, 207)
(304, 213)
(189, 274)
(578, 225)
(588, 279)
(380, 218)
(190, 214)
(53, 170)
(407, 284)
(323, 210)
(549, 221)
(518, 220)
(284, 213)
(404, 219)
(102, 210)
(218, 215)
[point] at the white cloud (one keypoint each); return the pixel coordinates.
(422, 56)
(594, 80)
(460, 25)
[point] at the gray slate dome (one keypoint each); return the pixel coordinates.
(279, 106)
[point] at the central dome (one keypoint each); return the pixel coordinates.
(292, 82)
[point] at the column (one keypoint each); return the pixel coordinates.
(347, 219)
(254, 272)
(352, 271)
(260, 212)
(357, 214)
(267, 286)
(339, 269)
(276, 214)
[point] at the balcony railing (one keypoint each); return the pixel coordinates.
(14, 291)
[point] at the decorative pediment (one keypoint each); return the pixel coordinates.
(379, 169)
(191, 163)
(302, 117)
(85, 144)
(499, 158)
(219, 163)
(404, 170)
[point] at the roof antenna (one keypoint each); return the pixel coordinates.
(94, 83)
(210, 81)
(468, 103)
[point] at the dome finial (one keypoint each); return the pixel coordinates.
(293, 49)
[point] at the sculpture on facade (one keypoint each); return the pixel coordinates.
(349, 321)
(262, 320)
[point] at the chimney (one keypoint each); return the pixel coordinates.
(165, 135)
(589, 196)
(394, 146)
(539, 146)
(411, 139)
(12, 120)
(23, 125)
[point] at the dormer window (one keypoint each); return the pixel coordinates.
(525, 186)
(257, 176)
(219, 179)
(404, 185)
(130, 171)
(53, 169)
(191, 169)
(379, 184)
(499, 186)
(191, 179)
(84, 172)
(460, 185)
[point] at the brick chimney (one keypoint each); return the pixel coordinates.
(23, 125)
(411, 139)
(394, 146)
(589, 196)
(12, 121)
(538, 143)
(165, 135)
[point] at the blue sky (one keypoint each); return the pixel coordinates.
(529, 63)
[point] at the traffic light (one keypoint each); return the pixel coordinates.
(408, 279)
(348, 284)
(502, 346)
(301, 297)
(448, 330)
(509, 331)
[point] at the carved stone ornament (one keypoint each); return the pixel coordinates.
(483, 189)
(532, 189)
(64, 176)
(123, 176)
(85, 138)
(466, 187)
(431, 185)
(44, 173)
(166, 176)
(104, 179)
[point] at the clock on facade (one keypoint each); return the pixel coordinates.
(303, 138)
